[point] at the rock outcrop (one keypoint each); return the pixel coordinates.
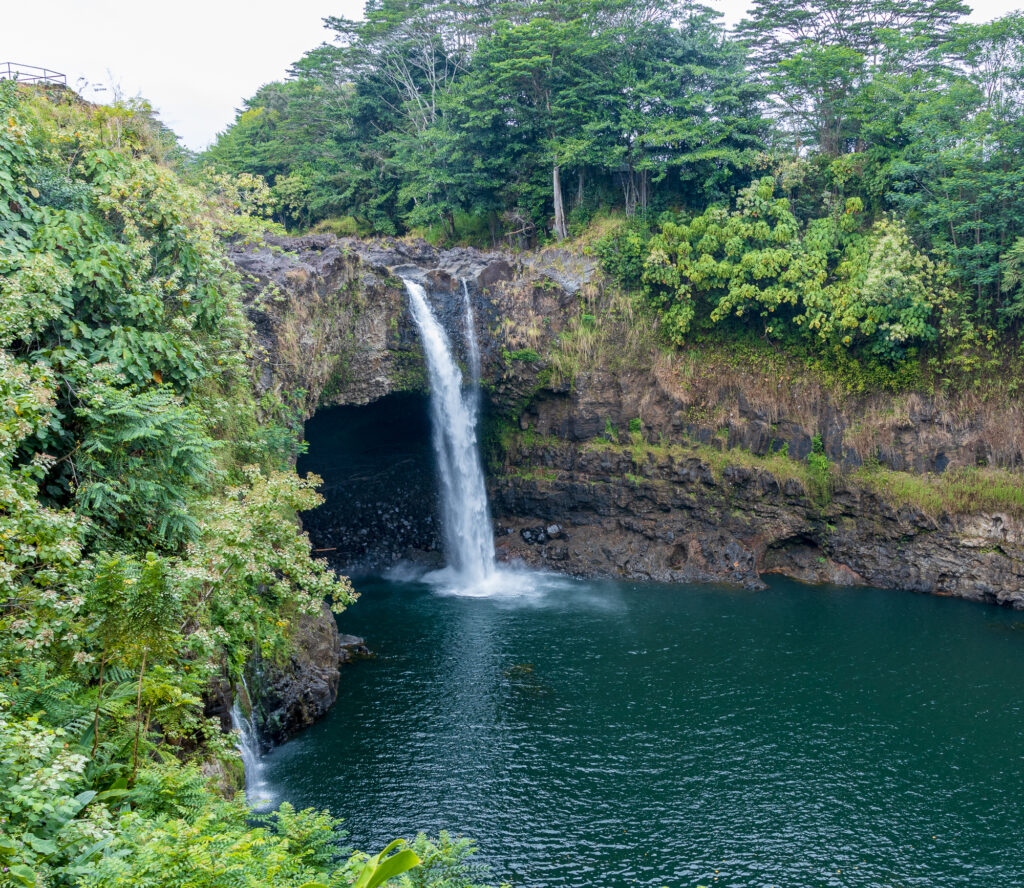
(676, 518)
(333, 324)
(290, 696)
(560, 378)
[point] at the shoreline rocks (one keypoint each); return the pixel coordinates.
(289, 697)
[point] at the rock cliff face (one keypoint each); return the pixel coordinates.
(677, 518)
(290, 696)
(646, 465)
(333, 324)
(704, 505)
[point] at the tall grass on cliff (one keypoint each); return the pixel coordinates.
(611, 332)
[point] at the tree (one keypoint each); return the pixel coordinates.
(952, 169)
(815, 55)
(681, 104)
(138, 612)
(541, 77)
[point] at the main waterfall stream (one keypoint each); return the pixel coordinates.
(607, 734)
(465, 515)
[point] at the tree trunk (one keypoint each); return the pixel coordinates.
(99, 698)
(579, 188)
(138, 716)
(629, 192)
(494, 224)
(561, 230)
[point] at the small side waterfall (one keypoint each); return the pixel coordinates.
(465, 515)
(249, 750)
(474, 352)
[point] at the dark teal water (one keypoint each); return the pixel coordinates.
(628, 734)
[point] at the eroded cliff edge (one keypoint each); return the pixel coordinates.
(645, 463)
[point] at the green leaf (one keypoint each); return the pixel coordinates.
(40, 846)
(376, 871)
(23, 874)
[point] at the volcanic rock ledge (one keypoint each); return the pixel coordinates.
(680, 521)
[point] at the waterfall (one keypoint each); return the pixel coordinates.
(249, 750)
(474, 352)
(465, 515)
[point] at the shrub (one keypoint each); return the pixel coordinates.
(820, 470)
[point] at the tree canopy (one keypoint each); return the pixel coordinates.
(493, 121)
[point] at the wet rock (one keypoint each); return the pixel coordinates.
(352, 647)
(218, 699)
(534, 535)
(291, 696)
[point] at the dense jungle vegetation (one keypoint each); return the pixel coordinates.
(837, 179)
(148, 537)
(840, 178)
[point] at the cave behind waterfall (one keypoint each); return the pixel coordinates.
(378, 467)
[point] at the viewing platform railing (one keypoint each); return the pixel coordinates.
(31, 74)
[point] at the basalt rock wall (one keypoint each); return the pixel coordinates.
(679, 518)
(333, 323)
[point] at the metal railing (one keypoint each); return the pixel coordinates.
(30, 74)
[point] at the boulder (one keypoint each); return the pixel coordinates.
(290, 696)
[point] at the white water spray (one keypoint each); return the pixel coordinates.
(465, 516)
(474, 352)
(249, 749)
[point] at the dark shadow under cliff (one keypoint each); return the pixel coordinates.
(377, 463)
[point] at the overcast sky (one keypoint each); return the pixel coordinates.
(196, 60)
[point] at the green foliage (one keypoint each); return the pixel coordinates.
(870, 291)
(460, 120)
(526, 355)
(215, 847)
(724, 264)
(388, 864)
(819, 57)
(623, 250)
(820, 470)
(144, 456)
(962, 491)
(46, 823)
(444, 863)
(887, 294)
(1013, 281)
(139, 554)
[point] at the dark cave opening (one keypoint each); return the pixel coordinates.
(378, 467)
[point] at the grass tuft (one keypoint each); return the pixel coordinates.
(962, 491)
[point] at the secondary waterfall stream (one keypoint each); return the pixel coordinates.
(465, 516)
(474, 353)
(249, 749)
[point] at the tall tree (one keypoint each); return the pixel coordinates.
(541, 75)
(416, 50)
(955, 173)
(681, 104)
(815, 55)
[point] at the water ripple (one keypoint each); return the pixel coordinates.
(619, 735)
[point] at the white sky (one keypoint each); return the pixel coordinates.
(194, 60)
